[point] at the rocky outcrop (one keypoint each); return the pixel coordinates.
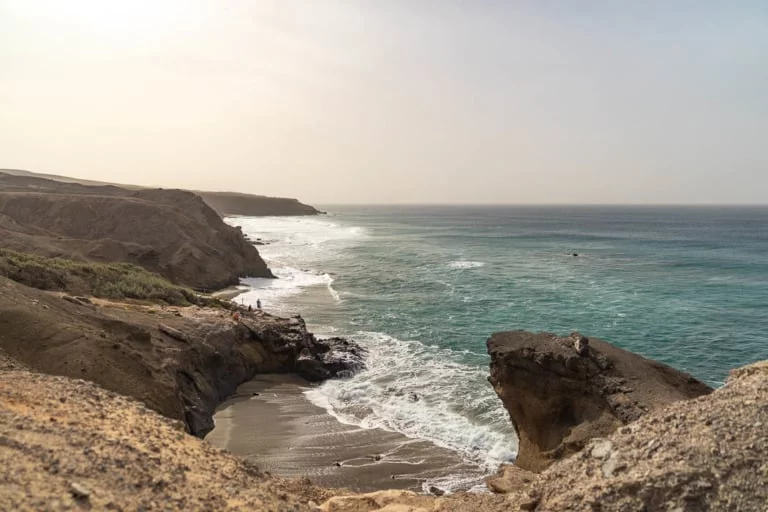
(710, 453)
(227, 355)
(563, 391)
(68, 444)
(231, 204)
(170, 232)
(181, 362)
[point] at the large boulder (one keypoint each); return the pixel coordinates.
(563, 391)
(709, 453)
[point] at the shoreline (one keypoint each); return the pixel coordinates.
(270, 422)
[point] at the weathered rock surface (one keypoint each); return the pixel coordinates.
(563, 391)
(710, 453)
(182, 362)
(70, 445)
(171, 232)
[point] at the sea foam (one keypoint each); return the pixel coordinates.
(463, 264)
(424, 393)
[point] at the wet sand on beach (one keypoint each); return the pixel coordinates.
(270, 422)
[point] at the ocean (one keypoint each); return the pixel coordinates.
(422, 288)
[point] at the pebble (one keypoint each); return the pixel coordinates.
(78, 491)
(601, 448)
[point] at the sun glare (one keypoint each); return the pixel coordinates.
(111, 20)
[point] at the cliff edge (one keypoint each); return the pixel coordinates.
(180, 361)
(173, 233)
(250, 205)
(563, 391)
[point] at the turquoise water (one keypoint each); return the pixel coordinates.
(424, 287)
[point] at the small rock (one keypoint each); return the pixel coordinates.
(601, 448)
(612, 465)
(79, 492)
(436, 491)
(529, 505)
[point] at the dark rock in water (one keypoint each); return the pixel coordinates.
(575, 254)
(311, 368)
(559, 398)
(436, 491)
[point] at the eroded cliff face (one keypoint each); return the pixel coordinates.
(232, 203)
(563, 391)
(181, 362)
(709, 453)
(68, 444)
(171, 232)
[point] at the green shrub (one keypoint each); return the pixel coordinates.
(106, 280)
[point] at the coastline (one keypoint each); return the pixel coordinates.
(270, 422)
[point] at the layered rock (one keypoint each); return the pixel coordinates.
(710, 453)
(182, 362)
(171, 232)
(563, 391)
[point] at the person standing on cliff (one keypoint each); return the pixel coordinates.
(258, 303)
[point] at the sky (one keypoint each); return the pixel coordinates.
(394, 101)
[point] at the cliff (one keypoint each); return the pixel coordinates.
(68, 444)
(169, 232)
(181, 362)
(563, 391)
(709, 453)
(231, 203)
(224, 203)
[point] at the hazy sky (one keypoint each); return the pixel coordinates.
(388, 101)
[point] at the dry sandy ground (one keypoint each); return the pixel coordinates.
(67, 444)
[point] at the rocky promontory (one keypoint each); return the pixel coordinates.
(561, 392)
(251, 205)
(173, 233)
(180, 361)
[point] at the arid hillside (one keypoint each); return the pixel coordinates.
(173, 233)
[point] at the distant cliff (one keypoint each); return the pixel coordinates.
(231, 203)
(171, 232)
(224, 203)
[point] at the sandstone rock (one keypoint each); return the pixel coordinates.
(689, 464)
(79, 491)
(181, 366)
(558, 399)
(509, 478)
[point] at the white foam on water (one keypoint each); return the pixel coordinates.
(292, 244)
(424, 393)
(298, 239)
(464, 264)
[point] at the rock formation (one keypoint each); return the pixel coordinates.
(68, 444)
(710, 453)
(563, 391)
(170, 232)
(231, 204)
(182, 362)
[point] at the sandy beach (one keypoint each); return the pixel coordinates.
(271, 423)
